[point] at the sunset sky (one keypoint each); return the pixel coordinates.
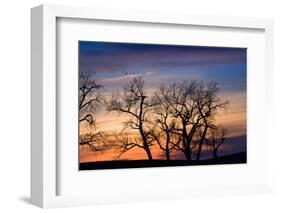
(117, 63)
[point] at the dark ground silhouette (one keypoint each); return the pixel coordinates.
(118, 164)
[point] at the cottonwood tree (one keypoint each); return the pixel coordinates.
(180, 100)
(163, 133)
(136, 105)
(207, 103)
(90, 97)
(193, 105)
(216, 139)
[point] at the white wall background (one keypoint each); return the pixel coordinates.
(15, 104)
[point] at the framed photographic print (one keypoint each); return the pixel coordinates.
(125, 102)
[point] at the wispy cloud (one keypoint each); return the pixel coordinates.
(115, 57)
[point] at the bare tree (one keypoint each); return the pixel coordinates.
(181, 105)
(193, 105)
(216, 139)
(134, 103)
(208, 103)
(90, 97)
(166, 125)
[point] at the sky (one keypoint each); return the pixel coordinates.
(117, 63)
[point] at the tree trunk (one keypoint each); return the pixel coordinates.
(147, 150)
(145, 145)
(168, 155)
(167, 146)
(144, 141)
(201, 143)
(186, 144)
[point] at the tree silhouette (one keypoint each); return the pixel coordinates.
(208, 103)
(181, 105)
(216, 139)
(191, 107)
(165, 124)
(134, 103)
(177, 117)
(90, 97)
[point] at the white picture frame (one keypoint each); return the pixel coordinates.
(44, 151)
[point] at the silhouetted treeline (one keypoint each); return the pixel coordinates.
(179, 117)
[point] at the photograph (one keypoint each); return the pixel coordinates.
(161, 105)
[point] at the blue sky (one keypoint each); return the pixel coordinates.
(227, 66)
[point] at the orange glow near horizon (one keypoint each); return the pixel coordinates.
(234, 119)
